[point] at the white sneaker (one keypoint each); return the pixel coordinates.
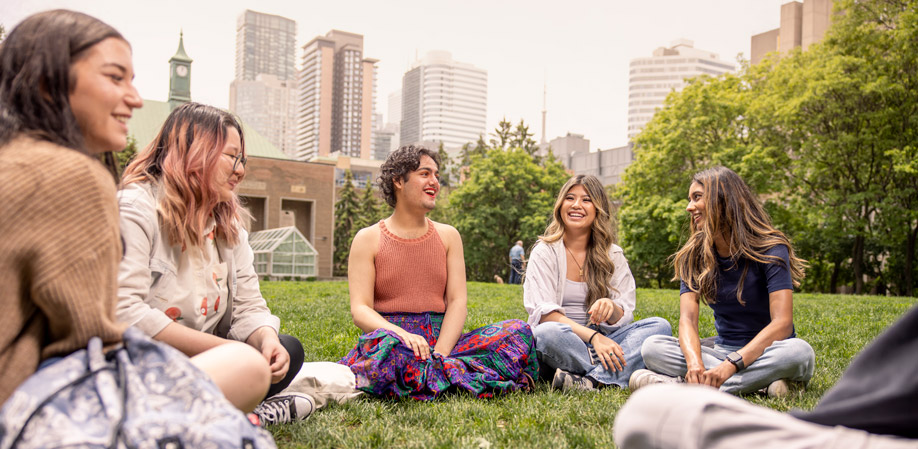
(288, 408)
(783, 387)
(644, 377)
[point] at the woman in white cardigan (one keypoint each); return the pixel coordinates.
(580, 295)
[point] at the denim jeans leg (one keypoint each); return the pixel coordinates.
(559, 347)
(662, 354)
(516, 267)
(631, 337)
(792, 359)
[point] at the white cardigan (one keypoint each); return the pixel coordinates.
(543, 288)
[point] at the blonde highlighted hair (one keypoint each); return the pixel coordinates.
(597, 266)
(181, 163)
(733, 211)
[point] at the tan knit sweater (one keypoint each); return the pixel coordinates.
(59, 253)
(410, 273)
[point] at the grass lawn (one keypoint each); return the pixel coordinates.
(837, 326)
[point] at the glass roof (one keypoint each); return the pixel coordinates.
(287, 240)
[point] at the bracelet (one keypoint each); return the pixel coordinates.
(590, 341)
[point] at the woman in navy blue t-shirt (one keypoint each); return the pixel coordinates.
(745, 270)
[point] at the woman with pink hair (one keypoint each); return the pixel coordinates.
(187, 277)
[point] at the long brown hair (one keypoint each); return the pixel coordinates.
(36, 77)
(597, 266)
(182, 162)
(731, 210)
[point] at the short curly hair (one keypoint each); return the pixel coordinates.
(398, 165)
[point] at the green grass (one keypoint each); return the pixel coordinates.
(837, 326)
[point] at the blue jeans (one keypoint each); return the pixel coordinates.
(559, 347)
(791, 359)
(516, 267)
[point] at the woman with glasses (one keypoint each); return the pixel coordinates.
(187, 277)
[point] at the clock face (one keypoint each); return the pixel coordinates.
(181, 70)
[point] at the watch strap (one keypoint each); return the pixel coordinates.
(737, 360)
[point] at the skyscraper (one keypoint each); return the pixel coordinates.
(802, 24)
(336, 90)
(265, 43)
(652, 79)
(443, 100)
(263, 92)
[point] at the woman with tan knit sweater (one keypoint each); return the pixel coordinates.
(65, 97)
(406, 276)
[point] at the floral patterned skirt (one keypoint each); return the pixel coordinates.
(492, 359)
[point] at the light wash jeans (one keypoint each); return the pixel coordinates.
(559, 347)
(791, 359)
(680, 416)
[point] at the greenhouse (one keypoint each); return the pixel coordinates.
(283, 253)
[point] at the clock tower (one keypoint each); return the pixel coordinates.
(179, 76)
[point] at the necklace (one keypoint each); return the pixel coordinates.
(575, 261)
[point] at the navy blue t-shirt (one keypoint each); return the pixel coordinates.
(737, 324)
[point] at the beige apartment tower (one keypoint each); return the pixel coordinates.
(336, 90)
(262, 92)
(802, 24)
(443, 101)
(651, 79)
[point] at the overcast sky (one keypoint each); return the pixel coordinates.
(579, 48)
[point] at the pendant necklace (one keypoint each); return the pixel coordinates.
(575, 261)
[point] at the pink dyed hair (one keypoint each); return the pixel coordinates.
(181, 163)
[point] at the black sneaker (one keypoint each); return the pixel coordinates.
(288, 408)
(566, 381)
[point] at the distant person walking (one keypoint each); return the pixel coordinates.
(517, 259)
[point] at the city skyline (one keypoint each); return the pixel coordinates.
(581, 50)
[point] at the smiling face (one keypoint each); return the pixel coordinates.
(103, 96)
(421, 187)
(226, 179)
(695, 206)
(577, 209)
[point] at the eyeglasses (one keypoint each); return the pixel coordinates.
(237, 159)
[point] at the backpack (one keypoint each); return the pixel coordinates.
(145, 394)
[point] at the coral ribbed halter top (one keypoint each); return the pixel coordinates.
(410, 273)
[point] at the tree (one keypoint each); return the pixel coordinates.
(120, 159)
(449, 173)
(371, 209)
(839, 109)
(503, 135)
(124, 157)
(522, 138)
(347, 213)
(507, 197)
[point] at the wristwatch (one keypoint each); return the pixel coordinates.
(737, 360)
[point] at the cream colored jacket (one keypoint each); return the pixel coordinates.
(147, 273)
(543, 287)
